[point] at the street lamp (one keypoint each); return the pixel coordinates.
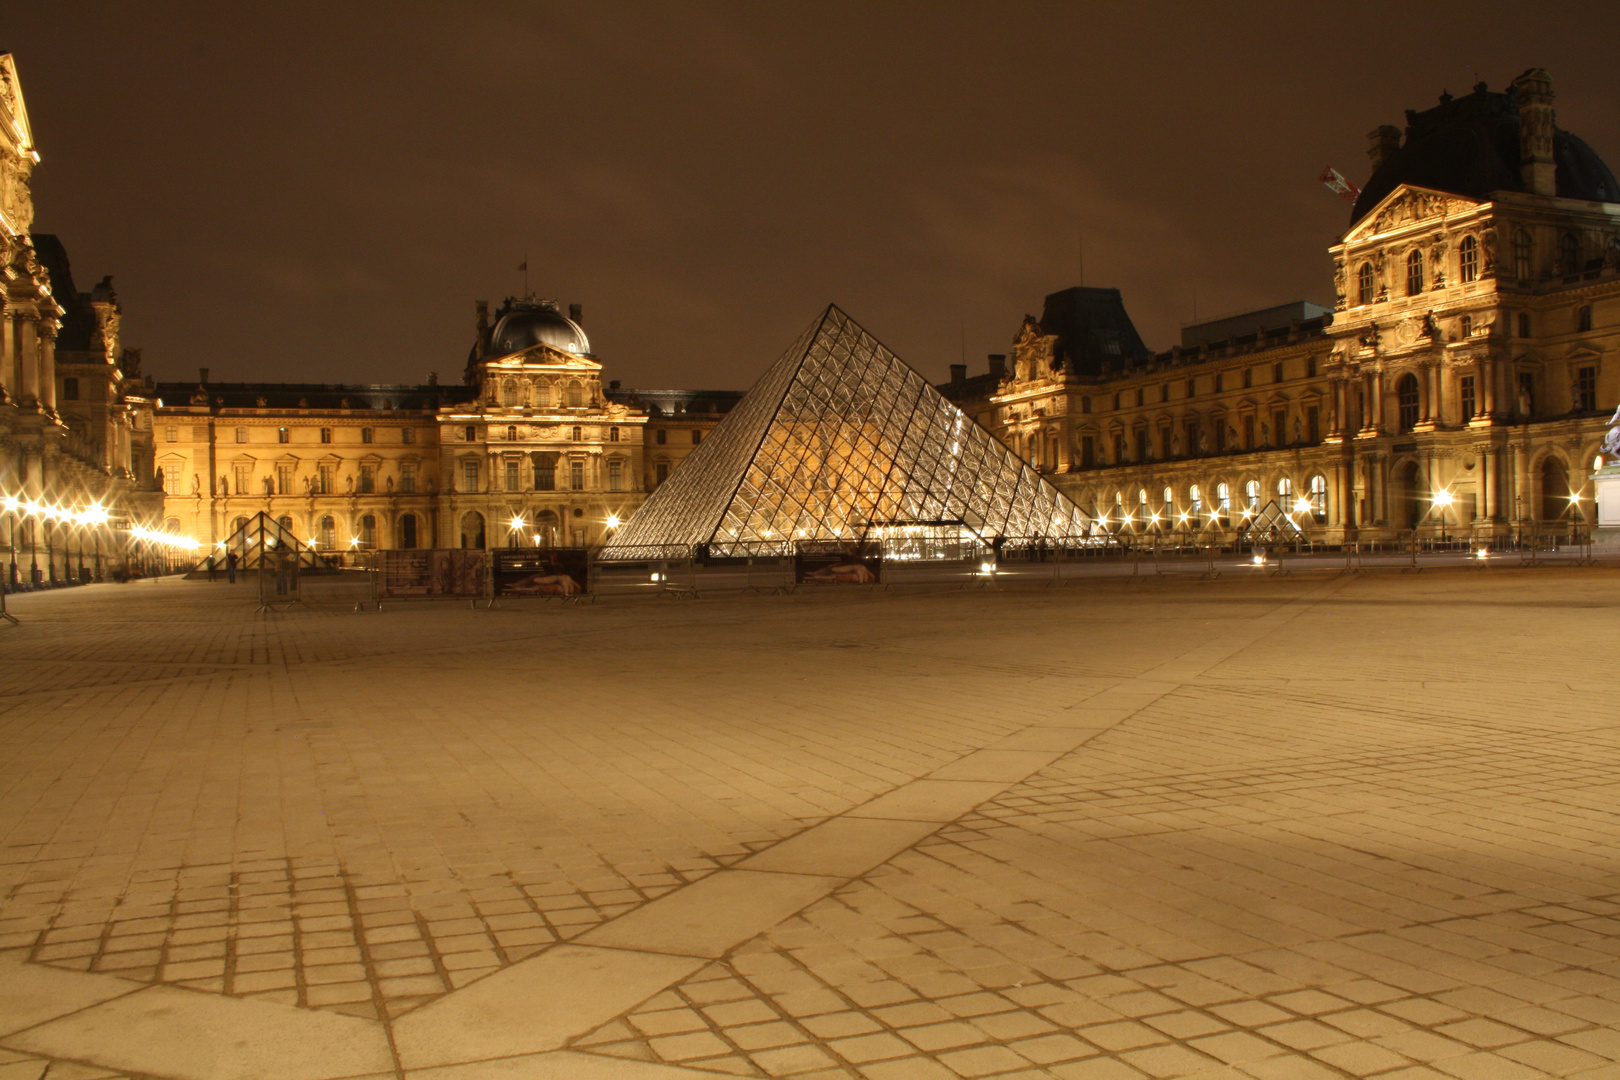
(1443, 499)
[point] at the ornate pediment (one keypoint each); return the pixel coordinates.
(543, 355)
(1408, 205)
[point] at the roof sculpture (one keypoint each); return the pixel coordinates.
(842, 440)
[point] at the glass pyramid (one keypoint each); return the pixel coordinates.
(842, 441)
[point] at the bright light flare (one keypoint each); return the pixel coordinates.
(184, 543)
(613, 523)
(1443, 498)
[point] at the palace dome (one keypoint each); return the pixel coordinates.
(525, 323)
(1470, 146)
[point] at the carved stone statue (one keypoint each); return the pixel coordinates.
(348, 484)
(1299, 431)
(1611, 439)
(196, 484)
(1524, 401)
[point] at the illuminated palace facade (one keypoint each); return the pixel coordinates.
(1461, 381)
(74, 413)
(529, 449)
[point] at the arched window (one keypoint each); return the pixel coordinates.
(509, 392)
(1168, 497)
(1364, 284)
(285, 521)
(1285, 493)
(472, 530)
(326, 538)
(1414, 272)
(511, 433)
(1569, 254)
(1318, 496)
(1195, 500)
(407, 531)
(1141, 499)
(576, 395)
(171, 526)
(368, 531)
(579, 434)
(1521, 254)
(1465, 327)
(1468, 259)
(1406, 392)
(1223, 501)
(613, 435)
(1251, 494)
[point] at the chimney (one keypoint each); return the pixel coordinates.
(1535, 96)
(958, 374)
(998, 365)
(1383, 142)
(614, 385)
(577, 313)
(202, 376)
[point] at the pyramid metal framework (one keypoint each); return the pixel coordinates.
(261, 533)
(841, 440)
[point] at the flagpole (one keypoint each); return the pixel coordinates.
(525, 275)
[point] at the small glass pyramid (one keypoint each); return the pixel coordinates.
(842, 441)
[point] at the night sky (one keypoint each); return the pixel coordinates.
(320, 192)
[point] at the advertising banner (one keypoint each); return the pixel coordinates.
(430, 573)
(834, 563)
(542, 572)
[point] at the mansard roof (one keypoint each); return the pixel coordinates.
(420, 397)
(1095, 334)
(1470, 146)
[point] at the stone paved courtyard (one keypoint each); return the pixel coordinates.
(1297, 827)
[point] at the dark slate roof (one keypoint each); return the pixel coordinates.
(1095, 335)
(331, 396)
(80, 321)
(1470, 146)
(676, 402)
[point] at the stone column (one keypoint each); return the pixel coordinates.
(1340, 417)
(1432, 405)
(1375, 401)
(1522, 491)
(8, 350)
(27, 359)
(1487, 370)
(47, 365)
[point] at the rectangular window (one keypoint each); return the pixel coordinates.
(1119, 449)
(1310, 367)
(1277, 372)
(1220, 436)
(1312, 425)
(326, 434)
(1279, 432)
(1140, 391)
(365, 435)
(1586, 389)
(576, 475)
(407, 436)
(1248, 433)
(241, 434)
(1192, 387)
(1164, 392)
(545, 475)
(1088, 451)
(1248, 378)
(469, 476)
(511, 476)
(616, 474)
(283, 435)
(697, 436)
(1220, 381)
(1116, 403)
(284, 479)
(70, 389)
(1164, 443)
(368, 479)
(244, 478)
(470, 433)
(1141, 442)
(171, 434)
(1583, 318)
(1524, 324)
(662, 471)
(1192, 437)
(171, 480)
(661, 437)
(323, 480)
(407, 477)
(1465, 388)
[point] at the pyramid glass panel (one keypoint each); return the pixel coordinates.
(842, 440)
